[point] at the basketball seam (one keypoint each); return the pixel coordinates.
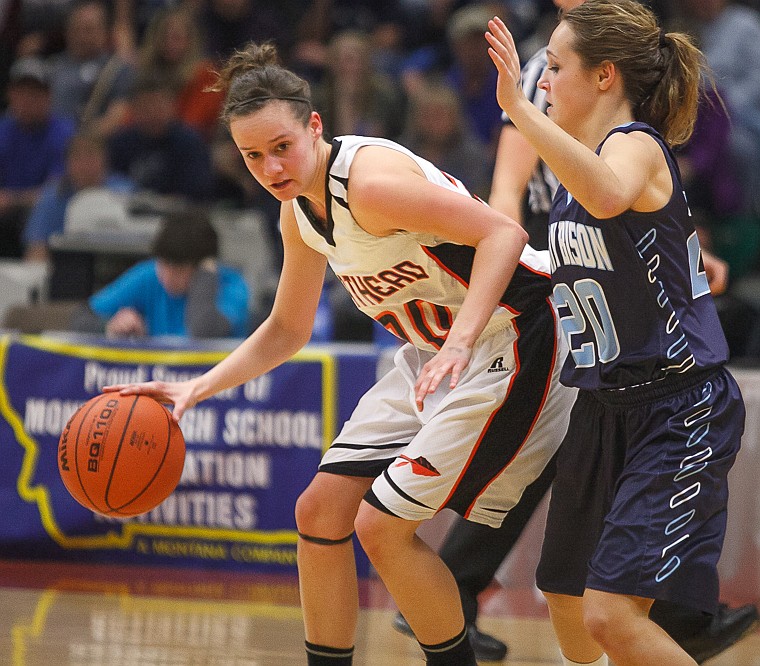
(160, 466)
(116, 455)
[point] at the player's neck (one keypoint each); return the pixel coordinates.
(315, 194)
(602, 120)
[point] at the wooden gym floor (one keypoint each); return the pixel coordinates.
(97, 615)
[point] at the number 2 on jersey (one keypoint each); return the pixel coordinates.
(587, 306)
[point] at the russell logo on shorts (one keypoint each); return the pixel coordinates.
(497, 365)
(420, 466)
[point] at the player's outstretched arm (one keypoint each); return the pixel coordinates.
(619, 178)
(282, 334)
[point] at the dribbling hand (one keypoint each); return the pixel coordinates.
(179, 394)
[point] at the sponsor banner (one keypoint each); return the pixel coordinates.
(251, 451)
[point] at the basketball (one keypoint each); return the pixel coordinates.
(121, 455)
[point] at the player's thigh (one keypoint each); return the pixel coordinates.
(471, 437)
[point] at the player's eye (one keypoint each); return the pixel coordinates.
(282, 147)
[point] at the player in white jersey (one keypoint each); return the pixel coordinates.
(473, 409)
(415, 284)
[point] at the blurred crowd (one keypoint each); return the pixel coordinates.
(112, 94)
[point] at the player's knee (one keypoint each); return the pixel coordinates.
(596, 621)
(604, 621)
(379, 533)
(310, 512)
(321, 517)
(368, 530)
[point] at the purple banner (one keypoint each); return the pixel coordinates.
(251, 451)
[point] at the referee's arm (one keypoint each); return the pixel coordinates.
(516, 159)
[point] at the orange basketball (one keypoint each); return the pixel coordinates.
(121, 455)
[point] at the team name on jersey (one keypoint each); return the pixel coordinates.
(374, 289)
(575, 244)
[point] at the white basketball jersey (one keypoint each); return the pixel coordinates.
(412, 283)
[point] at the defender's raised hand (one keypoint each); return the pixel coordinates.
(504, 55)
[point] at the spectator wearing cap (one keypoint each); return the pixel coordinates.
(182, 291)
(33, 143)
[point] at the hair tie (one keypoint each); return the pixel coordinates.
(663, 39)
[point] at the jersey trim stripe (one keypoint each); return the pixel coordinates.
(528, 389)
(457, 260)
(369, 469)
(401, 493)
(547, 386)
(375, 447)
(483, 436)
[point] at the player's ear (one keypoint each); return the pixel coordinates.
(315, 125)
(606, 75)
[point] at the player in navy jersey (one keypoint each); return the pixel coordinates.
(638, 508)
(523, 188)
(469, 415)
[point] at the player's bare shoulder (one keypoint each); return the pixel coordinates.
(289, 225)
(637, 145)
(374, 178)
(287, 213)
(374, 161)
(651, 157)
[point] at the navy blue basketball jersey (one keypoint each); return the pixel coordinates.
(631, 291)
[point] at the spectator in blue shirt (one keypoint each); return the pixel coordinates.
(158, 152)
(181, 291)
(86, 167)
(33, 143)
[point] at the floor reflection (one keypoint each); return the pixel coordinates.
(78, 615)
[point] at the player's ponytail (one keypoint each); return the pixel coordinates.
(253, 77)
(661, 72)
(671, 107)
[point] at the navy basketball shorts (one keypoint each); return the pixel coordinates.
(638, 506)
(473, 449)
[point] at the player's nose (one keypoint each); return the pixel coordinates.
(272, 165)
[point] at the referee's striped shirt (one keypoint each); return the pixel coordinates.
(543, 183)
